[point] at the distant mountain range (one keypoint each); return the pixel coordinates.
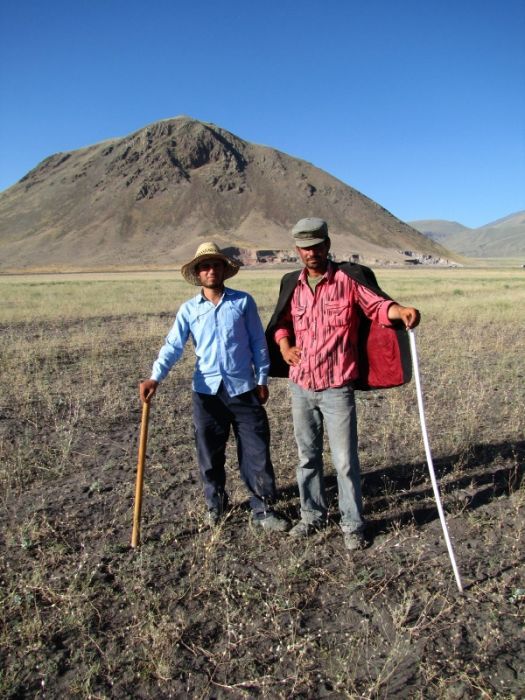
(504, 238)
(149, 199)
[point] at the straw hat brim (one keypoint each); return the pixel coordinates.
(231, 267)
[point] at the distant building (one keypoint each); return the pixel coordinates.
(265, 256)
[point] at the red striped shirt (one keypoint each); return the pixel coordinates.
(325, 325)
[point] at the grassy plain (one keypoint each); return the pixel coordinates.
(237, 613)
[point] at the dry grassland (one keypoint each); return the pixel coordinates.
(237, 613)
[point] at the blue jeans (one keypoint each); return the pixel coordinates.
(213, 416)
(336, 409)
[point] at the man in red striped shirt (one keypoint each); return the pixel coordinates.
(316, 329)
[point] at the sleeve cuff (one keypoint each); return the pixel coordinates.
(383, 314)
(262, 379)
(280, 334)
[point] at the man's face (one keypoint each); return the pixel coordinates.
(211, 273)
(315, 257)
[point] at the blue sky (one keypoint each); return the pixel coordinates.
(419, 104)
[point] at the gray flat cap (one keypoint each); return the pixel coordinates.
(310, 231)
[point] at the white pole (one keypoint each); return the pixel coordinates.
(413, 352)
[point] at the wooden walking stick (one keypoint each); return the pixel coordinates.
(135, 535)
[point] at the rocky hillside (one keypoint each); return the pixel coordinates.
(149, 198)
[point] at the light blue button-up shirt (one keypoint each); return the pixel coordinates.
(229, 344)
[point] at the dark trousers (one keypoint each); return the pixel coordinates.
(213, 416)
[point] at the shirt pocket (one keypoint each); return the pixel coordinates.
(232, 321)
(300, 320)
(337, 313)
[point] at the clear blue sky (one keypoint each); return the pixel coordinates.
(419, 104)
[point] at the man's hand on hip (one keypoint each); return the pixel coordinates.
(291, 353)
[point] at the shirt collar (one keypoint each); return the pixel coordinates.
(201, 298)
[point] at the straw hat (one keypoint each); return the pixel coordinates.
(208, 251)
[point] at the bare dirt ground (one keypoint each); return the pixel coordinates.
(237, 613)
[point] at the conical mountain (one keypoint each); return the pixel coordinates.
(151, 197)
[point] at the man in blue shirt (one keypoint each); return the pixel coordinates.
(229, 383)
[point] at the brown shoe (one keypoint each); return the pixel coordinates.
(304, 529)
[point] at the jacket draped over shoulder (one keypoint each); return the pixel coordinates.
(383, 353)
